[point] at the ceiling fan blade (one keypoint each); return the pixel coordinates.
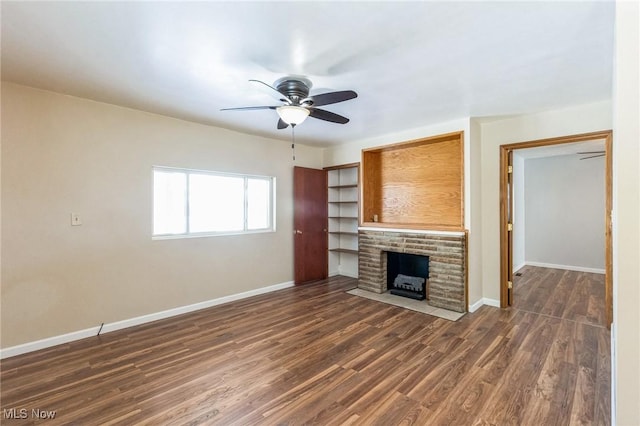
(280, 96)
(282, 124)
(249, 108)
(591, 152)
(332, 97)
(593, 156)
(327, 116)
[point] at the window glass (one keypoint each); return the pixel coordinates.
(169, 203)
(191, 202)
(216, 203)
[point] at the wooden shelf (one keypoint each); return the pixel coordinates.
(344, 214)
(344, 250)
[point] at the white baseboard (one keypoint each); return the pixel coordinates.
(566, 267)
(484, 301)
(517, 268)
(118, 325)
(614, 370)
(491, 302)
(475, 306)
(48, 342)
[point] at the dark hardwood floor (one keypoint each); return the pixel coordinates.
(577, 296)
(316, 355)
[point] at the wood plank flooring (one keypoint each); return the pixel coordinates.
(316, 355)
(577, 296)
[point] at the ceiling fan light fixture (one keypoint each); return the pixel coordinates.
(292, 114)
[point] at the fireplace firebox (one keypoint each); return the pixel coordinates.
(407, 275)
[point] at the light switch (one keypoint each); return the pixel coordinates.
(75, 219)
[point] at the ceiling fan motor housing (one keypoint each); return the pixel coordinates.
(296, 89)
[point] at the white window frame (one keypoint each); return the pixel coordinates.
(188, 234)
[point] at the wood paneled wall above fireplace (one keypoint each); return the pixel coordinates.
(415, 185)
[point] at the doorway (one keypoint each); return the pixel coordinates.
(507, 212)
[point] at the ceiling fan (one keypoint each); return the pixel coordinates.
(591, 154)
(297, 105)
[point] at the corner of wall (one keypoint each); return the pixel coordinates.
(475, 210)
(626, 224)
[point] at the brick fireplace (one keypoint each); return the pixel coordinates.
(447, 253)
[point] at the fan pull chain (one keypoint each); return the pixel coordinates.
(293, 141)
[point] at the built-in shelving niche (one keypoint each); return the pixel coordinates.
(343, 197)
(415, 185)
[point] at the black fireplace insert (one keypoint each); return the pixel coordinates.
(407, 275)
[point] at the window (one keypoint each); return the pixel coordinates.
(200, 203)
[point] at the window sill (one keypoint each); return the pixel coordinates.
(209, 234)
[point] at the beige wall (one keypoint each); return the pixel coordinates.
(486, 136)
(579, 119)
(351, 153)
(626, 219)
(475, 233)
(565, 207)
(482, 140)
(62, 154)
(626, 196)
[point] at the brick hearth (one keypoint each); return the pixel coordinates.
(447, 263)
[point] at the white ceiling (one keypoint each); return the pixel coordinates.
(411, 63)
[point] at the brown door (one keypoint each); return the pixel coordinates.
(310, 224)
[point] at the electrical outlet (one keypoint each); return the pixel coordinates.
(75, 219)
